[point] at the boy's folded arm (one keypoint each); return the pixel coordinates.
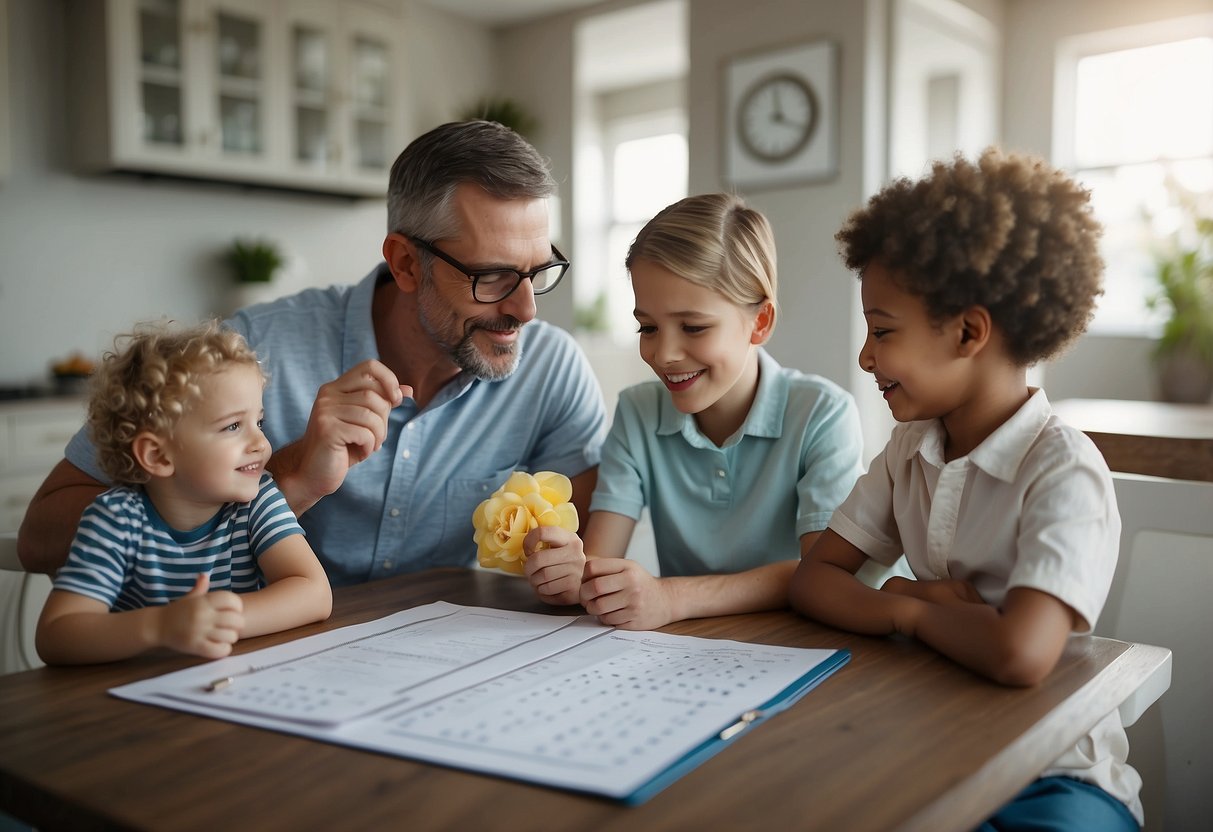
(1018, 644)
(825, 588)
(76, 629)
(297, 590)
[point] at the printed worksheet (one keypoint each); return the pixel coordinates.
(557, 700)
(387, 666)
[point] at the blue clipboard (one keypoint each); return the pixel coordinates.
(729, 734)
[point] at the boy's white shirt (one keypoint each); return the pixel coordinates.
(1031, 506)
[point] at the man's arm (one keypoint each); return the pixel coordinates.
(50, 522)
(583, 489)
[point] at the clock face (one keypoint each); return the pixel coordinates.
(776, 117)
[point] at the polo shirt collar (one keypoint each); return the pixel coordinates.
(766, 414)
(1002, 452)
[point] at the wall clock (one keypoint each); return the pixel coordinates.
(780, 116)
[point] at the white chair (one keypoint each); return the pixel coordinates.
(21, 597)
(1160, 595)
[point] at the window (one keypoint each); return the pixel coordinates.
(1135, 125)
(647, 166)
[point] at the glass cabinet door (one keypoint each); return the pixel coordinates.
(160, 36)
(370, 94)
(239, 67)
(314, 142)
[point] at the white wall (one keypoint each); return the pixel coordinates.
(81, 258)
(84, 257)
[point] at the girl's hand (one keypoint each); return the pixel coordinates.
(622, 594)
(554, 562)
(202, 623)
(943, 591)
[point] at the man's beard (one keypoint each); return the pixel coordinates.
(464, 351)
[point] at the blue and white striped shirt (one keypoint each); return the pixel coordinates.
(127, 557)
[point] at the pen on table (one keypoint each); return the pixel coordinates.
(740, 725)
(220, 684)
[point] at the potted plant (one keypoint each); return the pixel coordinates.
(504, 111)
(1183, 355)
(254, 261)
(253, 265)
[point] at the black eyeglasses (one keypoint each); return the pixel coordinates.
(495, 285)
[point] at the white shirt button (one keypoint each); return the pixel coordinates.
(407, 453)
(394, 512)
(410, 426)
(720, 473)
(387, 564)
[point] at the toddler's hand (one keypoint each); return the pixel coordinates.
(554, 562)
(623, 594)
(943, 591)
(202, 623)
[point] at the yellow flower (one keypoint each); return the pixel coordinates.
(522, 503)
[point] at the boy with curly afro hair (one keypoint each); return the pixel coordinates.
(1006, 516)
(194, 546)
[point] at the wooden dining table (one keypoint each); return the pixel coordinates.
(900, 738)
(1158, 439)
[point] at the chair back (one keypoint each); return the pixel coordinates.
(1161, 595)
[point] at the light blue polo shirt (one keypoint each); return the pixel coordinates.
(733, 508)
(409, 506)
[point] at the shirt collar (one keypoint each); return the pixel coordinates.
(358, 343)
(764, 419)
(1002, 452)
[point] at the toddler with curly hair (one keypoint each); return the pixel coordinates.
(194, 547)
(1006, 515)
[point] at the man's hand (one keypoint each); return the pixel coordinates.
(622, 594)
(555, 560)
(202, 623)
(348, 423)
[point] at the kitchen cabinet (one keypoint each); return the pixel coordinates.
(300, 94)
(33, 435)
(342, 99)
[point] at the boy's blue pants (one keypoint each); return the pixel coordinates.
(1062, 804)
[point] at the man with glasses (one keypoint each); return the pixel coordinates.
(397, 404)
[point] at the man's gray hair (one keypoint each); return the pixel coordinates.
(425, 175)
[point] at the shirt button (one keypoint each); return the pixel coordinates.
(407, 453)
(387, 564)
(394, 512)
(720, 473)
(410, 426)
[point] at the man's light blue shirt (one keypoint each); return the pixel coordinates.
(732, 508)
(409, 505)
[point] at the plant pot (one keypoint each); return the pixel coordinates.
(1184, 377)
(241, 295)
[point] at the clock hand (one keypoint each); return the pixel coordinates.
(778, 114)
